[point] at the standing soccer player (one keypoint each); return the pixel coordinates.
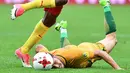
(52, 11)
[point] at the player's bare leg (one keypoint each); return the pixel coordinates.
(110, 40)
(61, 27)
(19, 9)
(40, 29)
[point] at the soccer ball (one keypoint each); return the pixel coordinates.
(42, 60)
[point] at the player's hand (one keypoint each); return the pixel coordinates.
(120, 69)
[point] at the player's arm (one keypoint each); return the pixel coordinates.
(106, 57)
(61, 27)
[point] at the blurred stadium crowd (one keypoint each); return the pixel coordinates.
(70, 1)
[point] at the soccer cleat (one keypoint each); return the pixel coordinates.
(104, 3)
(25, 58)
(62, 24)
(16, 11)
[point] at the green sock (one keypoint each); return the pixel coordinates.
(110, 26)
(62, 42)
(63, 35)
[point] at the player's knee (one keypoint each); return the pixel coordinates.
(49, 23)
(114, 40)
(49, 19)
(61, 2)
(111, 36)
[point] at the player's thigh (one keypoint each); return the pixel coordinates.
(50, 15)
(54, 11)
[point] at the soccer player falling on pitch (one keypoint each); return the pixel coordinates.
(52, 11)
(85, 54)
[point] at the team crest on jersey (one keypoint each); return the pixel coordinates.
(85, 54)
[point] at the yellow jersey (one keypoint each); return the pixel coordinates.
(77, 56)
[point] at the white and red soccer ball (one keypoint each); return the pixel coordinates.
(42, 60)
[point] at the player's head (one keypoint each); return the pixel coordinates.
(43, 60)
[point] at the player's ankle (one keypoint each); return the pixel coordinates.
(63, 32)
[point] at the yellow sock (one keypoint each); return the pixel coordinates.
(36, 35)
(38, 4)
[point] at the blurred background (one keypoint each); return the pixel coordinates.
(122, 2)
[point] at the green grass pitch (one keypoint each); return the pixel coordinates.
(85, 24)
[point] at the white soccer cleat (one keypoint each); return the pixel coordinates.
(16, 11)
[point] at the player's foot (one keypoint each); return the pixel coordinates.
(16, 11)
(104, 3)
(62, 24)
(25, 58)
